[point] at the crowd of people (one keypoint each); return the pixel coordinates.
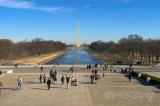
(70, 79)
(128, 71)
(52, 79)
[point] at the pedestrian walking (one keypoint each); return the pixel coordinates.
(130, 70)
(53, 78)
(19, 83)
(71, 69)
(67, 80)
(49, 83)
(105, 66)
(62, 79)
(40, 78)
(96, 71)
(129, 76)
(93, 71)
(55, 73)
(92, 78)
(44, 78)
(51, 73)
(89, 66)
(41, 69)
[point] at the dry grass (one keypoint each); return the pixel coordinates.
(34, 60)
(106, 58)
(155, 74)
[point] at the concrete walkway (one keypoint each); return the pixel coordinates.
(112, 90)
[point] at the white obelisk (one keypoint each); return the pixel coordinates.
(78, 35)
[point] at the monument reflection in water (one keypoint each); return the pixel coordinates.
(76, 56)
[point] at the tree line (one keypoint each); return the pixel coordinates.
(131, 48)
(11, 50)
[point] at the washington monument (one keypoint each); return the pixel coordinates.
(78, 35)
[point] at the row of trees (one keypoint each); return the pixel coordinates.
(134, 47)
(11, 50)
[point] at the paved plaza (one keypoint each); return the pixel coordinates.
(112, 90)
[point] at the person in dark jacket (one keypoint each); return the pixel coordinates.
(49, 83)
(40, 78)
(41, 69)
(130, 70)
(96, 71)
(55, 73)
(129, 76)
(44, 78)
(71, 69)
(51, 73)
(67, 80)
(62, 79)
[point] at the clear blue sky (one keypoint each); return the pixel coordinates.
(99, 19)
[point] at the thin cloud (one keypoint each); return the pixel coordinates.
(87, 5)
(17, 4)
(125, 1)
(121, 1)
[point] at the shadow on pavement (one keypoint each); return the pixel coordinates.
(156, 91)
(10, 88)
(32, 82)
(84, 82)
(141, 81)
(120, 81)
(40, 88)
